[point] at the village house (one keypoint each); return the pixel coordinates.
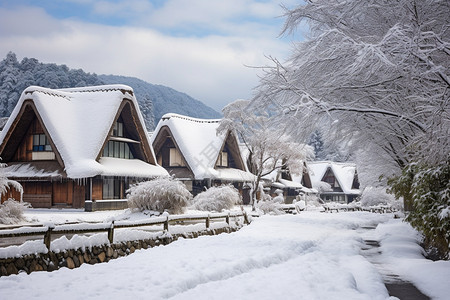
(79, 147)
(342, 177)
(291, 186)
(191, 150)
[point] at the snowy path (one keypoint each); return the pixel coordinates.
(306, 256)
(395, 285)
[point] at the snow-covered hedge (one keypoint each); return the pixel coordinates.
(270, 207)
(372, 196)
(279, 198)
(160, 194)
(217, 198)
(11, 211)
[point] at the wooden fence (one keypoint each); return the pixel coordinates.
(83, 228)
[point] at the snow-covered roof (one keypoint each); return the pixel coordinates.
(200, 145)
(78, 121)
(291, 184)
(32, 170)
(344, 173)
(112, 166)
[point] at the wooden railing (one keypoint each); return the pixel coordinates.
(83, 228)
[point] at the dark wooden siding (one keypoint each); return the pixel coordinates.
(97, 189)
(37, 193)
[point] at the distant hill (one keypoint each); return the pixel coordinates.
(164, 99)
(154, 100)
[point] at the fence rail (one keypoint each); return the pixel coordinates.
(82, 228)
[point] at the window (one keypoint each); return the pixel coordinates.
(117, 149)
(118, 129)
(222, 161)
(40, 143)
(338, 198)
(175, 158)
(111, 188)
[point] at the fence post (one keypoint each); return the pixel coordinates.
(207, 222)
(246, 218)
(166, 224)
(48, 237)
(227, 219)
(111, 233)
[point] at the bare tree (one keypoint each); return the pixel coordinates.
(376, 70)
(269, 145)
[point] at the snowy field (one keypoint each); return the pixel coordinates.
(307, 256)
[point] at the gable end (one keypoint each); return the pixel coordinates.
(135, 131)
(27, 115)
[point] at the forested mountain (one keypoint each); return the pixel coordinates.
(164, 99)
(154, 100)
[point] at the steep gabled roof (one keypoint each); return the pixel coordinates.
(344, 173)
(78, 122)
(200, 146)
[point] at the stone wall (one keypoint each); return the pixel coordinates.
(74, 258)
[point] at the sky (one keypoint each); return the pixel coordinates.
(205, 48)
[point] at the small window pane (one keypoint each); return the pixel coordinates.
(116, 149)
(127, 151)
(224, 159)
(122, 150)
(41, 139)
(120, 129)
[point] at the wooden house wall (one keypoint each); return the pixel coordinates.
(37, 193)
(45, 194)
(97, 189)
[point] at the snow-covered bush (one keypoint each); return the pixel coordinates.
(322, 186)
(279, 198)
(217, 198)
(265, 196)
(428, 188)
(313, 200)
(6, 184)
(372, 196)
(11, 211)
(270, 207)
(300, 205)
(160, 194)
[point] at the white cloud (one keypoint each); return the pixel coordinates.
(209, 68)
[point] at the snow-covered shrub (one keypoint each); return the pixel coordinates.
(313, 200)
(160, 194)
(300, 205)
(372, 196)
(217, 198)
(265, 196)
(428, 189)
(279, 198)
(322, 187)
(11, 211)
(270, 207)
(6, 184)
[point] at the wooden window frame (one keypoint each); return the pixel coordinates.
(222, 161)
(175, 158)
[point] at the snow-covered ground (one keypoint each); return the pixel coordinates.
(307, 256)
